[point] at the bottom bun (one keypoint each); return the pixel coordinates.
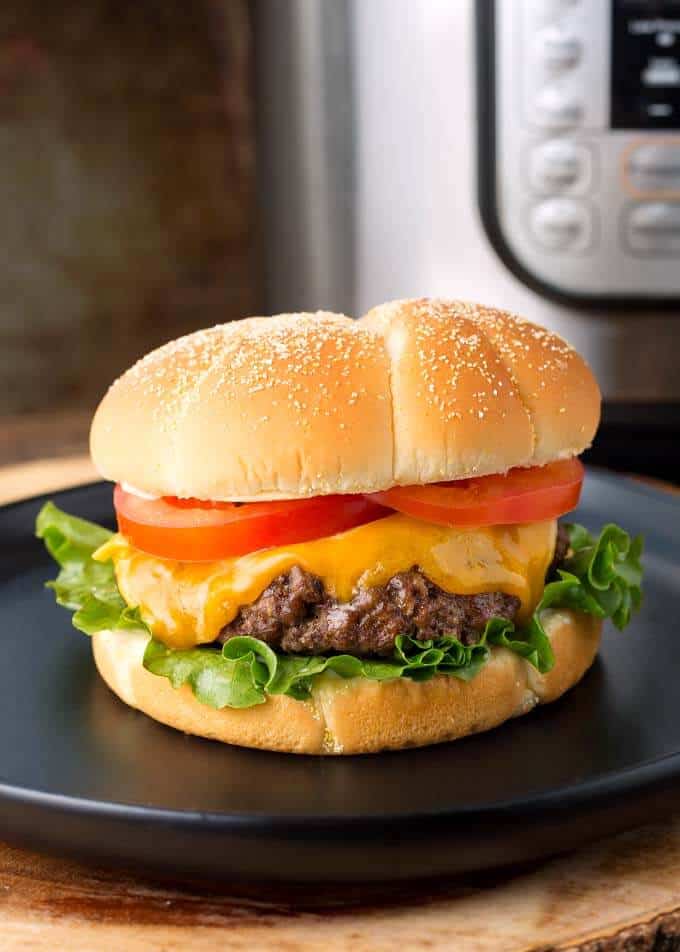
(357, 716)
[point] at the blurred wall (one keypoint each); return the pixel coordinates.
(126, 187)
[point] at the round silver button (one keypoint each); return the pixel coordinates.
(654, 228)
(558, 165)
(561, 224)
(558, 48)
(655, 167)
(557, 109)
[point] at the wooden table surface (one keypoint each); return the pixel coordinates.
(623, 893)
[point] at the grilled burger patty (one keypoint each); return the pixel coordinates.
(296, 614)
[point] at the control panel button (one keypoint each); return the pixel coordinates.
(560, 165)
(558, 48)
(653, 228)
(655, 167)
(562, 224)
(557, 109)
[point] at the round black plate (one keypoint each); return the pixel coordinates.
(81, 773)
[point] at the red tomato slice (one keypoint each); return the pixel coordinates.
(195, 530)
(521, 495)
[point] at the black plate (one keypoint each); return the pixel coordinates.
(81, 773)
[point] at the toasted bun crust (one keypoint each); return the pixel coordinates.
(310, 404)
(357, 716)
(476, 390)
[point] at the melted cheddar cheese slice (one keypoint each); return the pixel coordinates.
(188, 603)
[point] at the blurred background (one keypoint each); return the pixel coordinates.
(167, 166)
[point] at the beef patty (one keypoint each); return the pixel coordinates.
(296, 614)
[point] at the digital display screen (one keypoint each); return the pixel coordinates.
(645, 74)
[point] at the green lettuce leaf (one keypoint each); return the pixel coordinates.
(608, 569)
(601, 576)
(246, 670)
(87, 587)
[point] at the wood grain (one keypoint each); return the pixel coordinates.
(604, 898)
(623, 893)
(42, 476)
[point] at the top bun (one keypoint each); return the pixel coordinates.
(310, 404)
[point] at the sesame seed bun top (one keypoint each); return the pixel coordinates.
(296, 405)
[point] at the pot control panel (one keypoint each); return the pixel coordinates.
(586, 133)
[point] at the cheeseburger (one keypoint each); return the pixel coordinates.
(340, 536)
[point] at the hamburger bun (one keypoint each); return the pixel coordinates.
(311, 404)
(357, 716)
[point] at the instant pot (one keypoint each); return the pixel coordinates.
(524, 153)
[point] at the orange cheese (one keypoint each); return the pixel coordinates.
(188, 603)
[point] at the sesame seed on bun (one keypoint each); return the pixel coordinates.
(297, 405)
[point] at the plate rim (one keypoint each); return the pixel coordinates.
(634, 780)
